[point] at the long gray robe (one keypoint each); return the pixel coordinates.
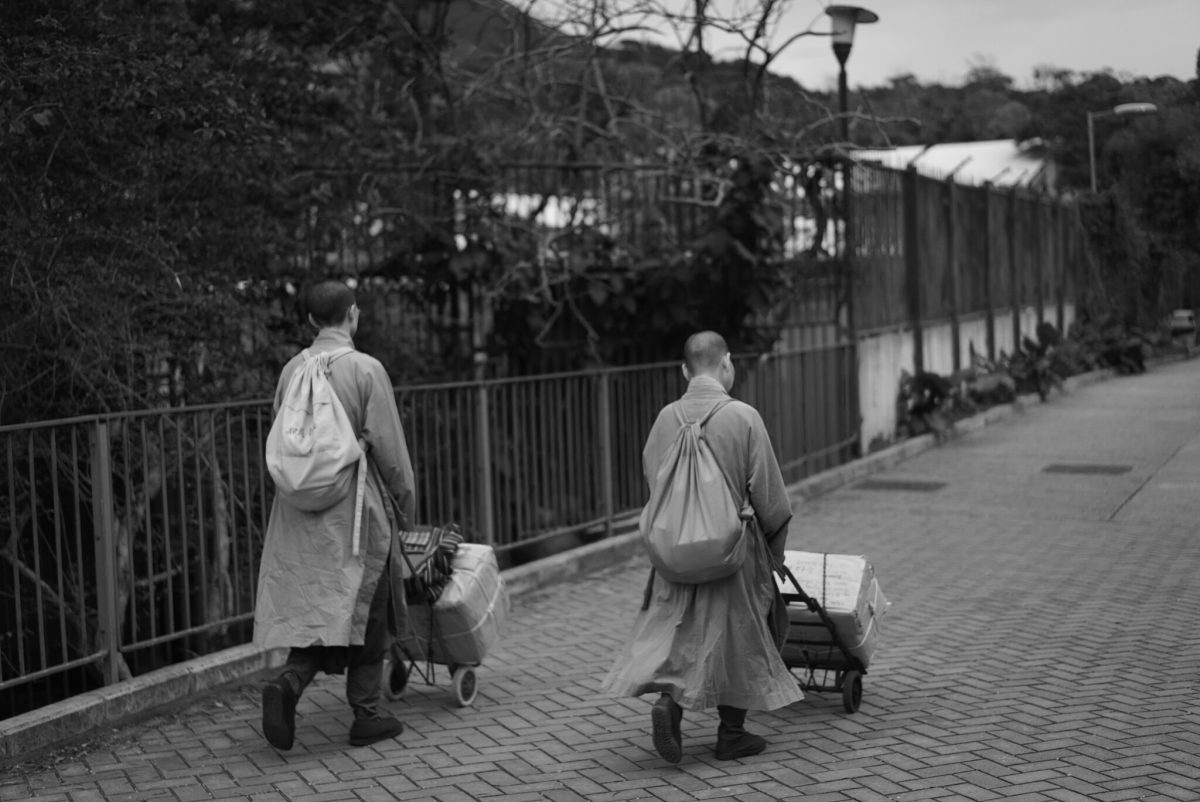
(717, 643)
(312, 589)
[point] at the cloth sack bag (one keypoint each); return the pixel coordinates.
(313, 453)
(694, 526)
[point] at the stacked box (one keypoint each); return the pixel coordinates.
(846, 588)
(461, 626)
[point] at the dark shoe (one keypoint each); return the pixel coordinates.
(734, 745)
(366, 731)
(665, 717)
(279, 699)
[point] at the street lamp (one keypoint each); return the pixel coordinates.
(1120, 109)
(845, 18)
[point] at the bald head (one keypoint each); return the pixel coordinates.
(704, 353)
(327, 302)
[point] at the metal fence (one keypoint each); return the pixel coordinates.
(927, 249)
(132, 541)
(376, 222)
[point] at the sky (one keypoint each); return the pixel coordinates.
(938, 41)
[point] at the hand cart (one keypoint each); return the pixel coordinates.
(815, 646)
(428, 556)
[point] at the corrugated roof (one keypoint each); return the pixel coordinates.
(1001, 162)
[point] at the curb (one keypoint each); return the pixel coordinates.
(105, 707)
(75, 717)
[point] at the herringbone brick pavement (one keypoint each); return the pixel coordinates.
(1041, 645)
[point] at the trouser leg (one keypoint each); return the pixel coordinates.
(733, 742)
(302, 666)
(364, 673)
(733, 719)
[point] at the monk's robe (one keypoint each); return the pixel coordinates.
(312, 589)
(717, 643)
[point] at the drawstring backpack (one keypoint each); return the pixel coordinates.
(312, 449)
(694, 525)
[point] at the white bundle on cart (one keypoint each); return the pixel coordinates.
(846, 587)
(462, 625)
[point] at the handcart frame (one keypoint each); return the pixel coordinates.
(417, 548)
(823, 657)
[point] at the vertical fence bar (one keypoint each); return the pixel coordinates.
(60, 551)
(18, 612)
(1010, 226)
(912, 264)
(952, 276)
(35, 552)
(852, 406)
(604, 434)
(1039, 259)
(109, 627)
(483, 466)
(989, 299)
(1060, 239)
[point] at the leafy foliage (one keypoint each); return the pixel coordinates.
(174, 170)
(139, 183)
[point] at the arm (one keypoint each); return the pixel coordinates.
(768, 493)
(385, 438)
(661, 434)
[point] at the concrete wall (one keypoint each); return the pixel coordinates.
(883, 355)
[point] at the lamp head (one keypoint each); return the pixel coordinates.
(844, 19)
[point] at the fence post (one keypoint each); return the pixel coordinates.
(849, 285)
(988, 296)
(1039, 259)
(604, 429)
(1060, 251)
(912, 265)
(952, 276)
(483, 464)
(107, 624)
(1014, 273)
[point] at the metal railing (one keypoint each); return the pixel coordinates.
(132, 541)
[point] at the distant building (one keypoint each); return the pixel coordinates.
(1000, 162)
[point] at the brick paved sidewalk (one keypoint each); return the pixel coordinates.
(1041, 646)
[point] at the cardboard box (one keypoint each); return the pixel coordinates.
(461, 626)
(846, 588)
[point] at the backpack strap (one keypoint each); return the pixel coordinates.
(717, 407)
(746, 512)
(336, 353)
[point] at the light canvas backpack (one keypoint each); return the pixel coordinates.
(692, 526)
(312, 449)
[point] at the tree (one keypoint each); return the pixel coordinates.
(141, 177)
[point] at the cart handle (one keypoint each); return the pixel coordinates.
(812, 604)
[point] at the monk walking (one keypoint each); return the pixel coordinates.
(332, 594)
(715, 644)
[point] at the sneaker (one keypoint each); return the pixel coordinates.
(279, 699)
(665, 717)
(366, 731)
(733, 746)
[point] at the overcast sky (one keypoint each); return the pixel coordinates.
(939, 40)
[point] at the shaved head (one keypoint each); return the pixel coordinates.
(328, 301)
(703, 352)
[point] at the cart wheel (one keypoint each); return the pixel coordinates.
(464, 685)
(851, 690)
(395, 678)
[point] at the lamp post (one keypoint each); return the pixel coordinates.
(1118, 110)
(845, 18)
